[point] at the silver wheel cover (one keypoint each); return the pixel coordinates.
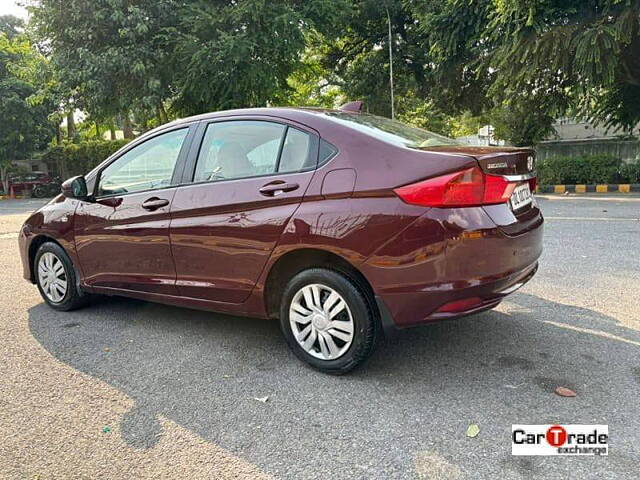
(321, 321)
(52, 277)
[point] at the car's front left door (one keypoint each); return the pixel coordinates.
(122, 236)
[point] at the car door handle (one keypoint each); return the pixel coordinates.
(155, 203)
(273, 189)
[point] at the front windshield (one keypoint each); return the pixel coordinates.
(391, 131)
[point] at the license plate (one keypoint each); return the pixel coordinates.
(521, 196)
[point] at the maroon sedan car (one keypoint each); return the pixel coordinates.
(341, 224)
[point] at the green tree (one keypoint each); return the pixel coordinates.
(131, 60)
(538, 58)
(494, 58)
(310, 83)
(521, 123)
(452, 33)
(425, 115)
(111, 58)
(11, 26)
(359, 58)
(240, 54)
(516, 63)
(588, 49)
(24, 123)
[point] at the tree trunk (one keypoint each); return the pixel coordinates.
(127, 128)
(62, 167)
(97, 130)
(71, 127)
(58, 134)
(162, 114)
(112, 130)
(5, 179)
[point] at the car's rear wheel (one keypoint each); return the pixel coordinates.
(328, 320)
(56, 278)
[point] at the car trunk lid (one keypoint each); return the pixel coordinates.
(506, 161)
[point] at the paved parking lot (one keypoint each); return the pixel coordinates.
(127, 389)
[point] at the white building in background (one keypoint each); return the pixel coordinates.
(107, 135)
(579, 138)
(484, 137)
(569, 128)
(31, 165)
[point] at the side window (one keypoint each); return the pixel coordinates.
(147, 166)
(327, 152)
(239, 149)
(295, 151)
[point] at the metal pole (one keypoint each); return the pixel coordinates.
(393, 111)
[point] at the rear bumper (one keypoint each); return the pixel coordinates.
(416, 309)
(451, 255)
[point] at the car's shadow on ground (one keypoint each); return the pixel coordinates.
(205, 371)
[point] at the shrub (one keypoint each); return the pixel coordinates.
(630, 173)
(77, 159)
(588, 169)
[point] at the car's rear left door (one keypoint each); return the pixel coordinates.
(246, 179)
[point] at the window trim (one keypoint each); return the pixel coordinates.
(184, 149)
(283, 139)
(191, 164)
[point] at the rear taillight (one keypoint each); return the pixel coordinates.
(470, 187)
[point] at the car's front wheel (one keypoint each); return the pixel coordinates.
(56, 278)
(328, 320)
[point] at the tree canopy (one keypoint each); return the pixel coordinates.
(24, 123)
(517, 64)
(582, 51)
(11, 26)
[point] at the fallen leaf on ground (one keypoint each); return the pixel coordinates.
(107, 349)
(262, 399)
(473, 430)
(565, 392)
(514, 386)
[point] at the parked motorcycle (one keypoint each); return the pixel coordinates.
(50, 189)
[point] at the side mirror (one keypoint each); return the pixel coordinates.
(75, 187)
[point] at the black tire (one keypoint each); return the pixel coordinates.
(74, 297)
(39, 192)
(363, 313)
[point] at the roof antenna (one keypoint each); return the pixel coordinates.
(355, 107)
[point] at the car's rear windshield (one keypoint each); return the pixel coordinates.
(391, 131)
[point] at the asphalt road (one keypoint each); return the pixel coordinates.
(127, 389)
